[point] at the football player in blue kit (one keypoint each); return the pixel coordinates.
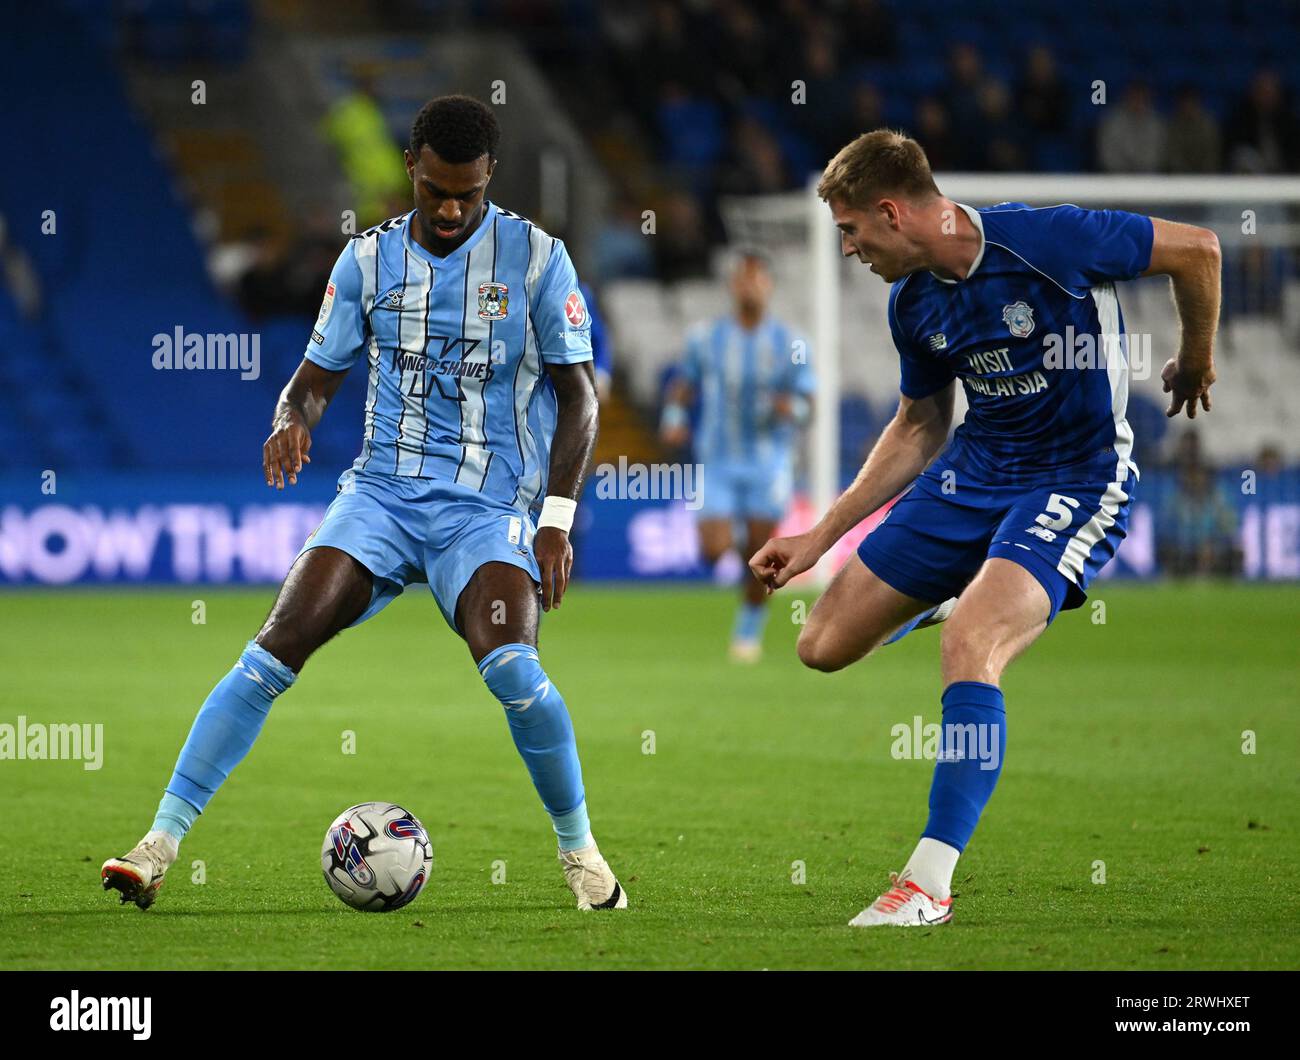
(480, 420)
(1031, 497)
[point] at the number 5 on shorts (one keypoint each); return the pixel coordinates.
(1059, 514)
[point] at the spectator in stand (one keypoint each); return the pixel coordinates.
(1004, 143)
(866, 112)
(754, 164)
(681, 242)
(749, 69)
(1131, 138)
(1263, 134)
(1041, 96)
(961, 99)
(1193, 142)
(823, 113)
(369, 154)
(868, 30)
(1196, 534)
(622, 247)
(934, 133)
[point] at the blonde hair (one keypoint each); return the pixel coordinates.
(882, 162)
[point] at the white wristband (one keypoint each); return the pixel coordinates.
(557, 512)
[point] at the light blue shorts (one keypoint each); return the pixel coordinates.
(733, 489)
(410, 530)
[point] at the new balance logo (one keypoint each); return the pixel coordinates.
(939, 341)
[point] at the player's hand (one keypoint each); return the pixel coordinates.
(555, 560)
(285, 451)
(675, 437)
(1186, 387)
(782, 558)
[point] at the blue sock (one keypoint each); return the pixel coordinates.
(971, 751)
(750, 620)
(226, 726)
(543, 735)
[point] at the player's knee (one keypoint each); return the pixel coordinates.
(514, 674)
(817, 652)
(964, 653)
(289, 645)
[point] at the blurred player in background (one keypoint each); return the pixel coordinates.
(461, 310)
(1032, 496)
(750, 373)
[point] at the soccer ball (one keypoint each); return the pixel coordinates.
(376, 857)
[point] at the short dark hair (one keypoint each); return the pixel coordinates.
(456, 128)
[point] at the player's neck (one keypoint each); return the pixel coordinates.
(749, 319)
(958, 247)
(441, 248)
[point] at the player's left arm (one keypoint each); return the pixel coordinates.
(562, 324)
(577, 415)
(794, 402)
(1190, 257)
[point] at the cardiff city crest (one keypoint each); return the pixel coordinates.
(1019, 319)
(493, 300)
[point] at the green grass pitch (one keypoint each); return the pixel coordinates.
(1125, 757)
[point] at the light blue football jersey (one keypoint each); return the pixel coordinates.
(456, 349)
(737, 374)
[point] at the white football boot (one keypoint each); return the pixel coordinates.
(745, 650)
(591, 879)
(904, 905)
(139, 873)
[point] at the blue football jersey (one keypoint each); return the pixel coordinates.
(1035, 334)
(736, 375)
(455, 348)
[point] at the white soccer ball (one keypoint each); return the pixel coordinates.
(376, 857)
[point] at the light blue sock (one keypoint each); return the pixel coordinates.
(222, 734)
(175, 816)
(543, 734)
(750, 620)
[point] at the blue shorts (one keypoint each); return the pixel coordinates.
(409, 530)
(735, 489)
(932, 543)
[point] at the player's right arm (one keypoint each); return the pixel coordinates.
(336, 342)
(674, 426)
(301, 405)
(905, 448)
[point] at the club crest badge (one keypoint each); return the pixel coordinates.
(1019, 319)
(493, 300)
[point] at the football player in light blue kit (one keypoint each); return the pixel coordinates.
(1031, 498)
(480, 415)
(751, 375)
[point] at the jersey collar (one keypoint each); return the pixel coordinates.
(978, 222)
(489, 215)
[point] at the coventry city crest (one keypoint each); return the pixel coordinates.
(493, 301)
